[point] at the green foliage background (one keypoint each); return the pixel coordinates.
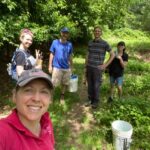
(46, 17)
(121, 20)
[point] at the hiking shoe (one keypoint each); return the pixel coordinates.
(94, 106)
(110, 100)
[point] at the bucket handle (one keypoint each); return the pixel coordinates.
(126, 144)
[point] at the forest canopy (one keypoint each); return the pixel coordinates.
(46, 17)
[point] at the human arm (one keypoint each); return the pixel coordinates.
(111, 57)
(71, 63)
(20, 61)
(71, 57)
(51, 55)
(86, 59)
(122, 63)
(85, 69)
(50, 67)
(19, 70)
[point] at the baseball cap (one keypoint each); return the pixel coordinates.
(65, 29)
(29, 75)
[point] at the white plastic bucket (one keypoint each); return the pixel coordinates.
(122, 132)
(73, 83)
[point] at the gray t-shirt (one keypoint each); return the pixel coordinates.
(23, 59)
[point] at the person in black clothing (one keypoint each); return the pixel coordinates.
(116, 69)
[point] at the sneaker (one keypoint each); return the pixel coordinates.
(110, 100)
(94, 106)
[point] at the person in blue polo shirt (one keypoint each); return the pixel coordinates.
(60, 61)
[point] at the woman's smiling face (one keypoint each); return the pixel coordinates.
(32, 100)
(26, 40)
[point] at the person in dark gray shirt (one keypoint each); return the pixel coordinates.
(95, 65)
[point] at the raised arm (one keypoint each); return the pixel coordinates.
(123, 63)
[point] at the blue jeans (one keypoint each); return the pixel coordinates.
(118, 80)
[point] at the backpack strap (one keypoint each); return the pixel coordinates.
(14, 55)
(12, 67)
(26, 58)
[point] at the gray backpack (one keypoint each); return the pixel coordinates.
(11, 67)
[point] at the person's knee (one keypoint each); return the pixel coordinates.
(56, 82)
(112, 86)
(119, 88)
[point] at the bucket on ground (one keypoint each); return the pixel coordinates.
(122, 132)
(73, 83)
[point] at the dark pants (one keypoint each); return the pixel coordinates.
(94, 79)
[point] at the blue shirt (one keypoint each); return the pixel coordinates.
(61, 52)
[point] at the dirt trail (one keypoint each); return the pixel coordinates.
(75, 119)
(76, 123)
(78, 111)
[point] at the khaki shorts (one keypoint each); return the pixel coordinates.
(60, 76)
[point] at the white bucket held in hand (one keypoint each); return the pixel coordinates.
(73, 83)
(122, 132)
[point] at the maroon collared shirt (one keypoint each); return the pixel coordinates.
(14, 136)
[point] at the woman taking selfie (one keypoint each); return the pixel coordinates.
(29, 126)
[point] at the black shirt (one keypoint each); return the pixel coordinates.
(115, 68)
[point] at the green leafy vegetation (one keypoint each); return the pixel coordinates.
(46, 18)
(96, 133)
(134, 108)
(121, 21)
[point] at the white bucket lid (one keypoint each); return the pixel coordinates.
(122, 128)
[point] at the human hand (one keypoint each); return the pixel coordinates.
(102, 67)
(119, 57)
(85, 76)
(38, 54)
